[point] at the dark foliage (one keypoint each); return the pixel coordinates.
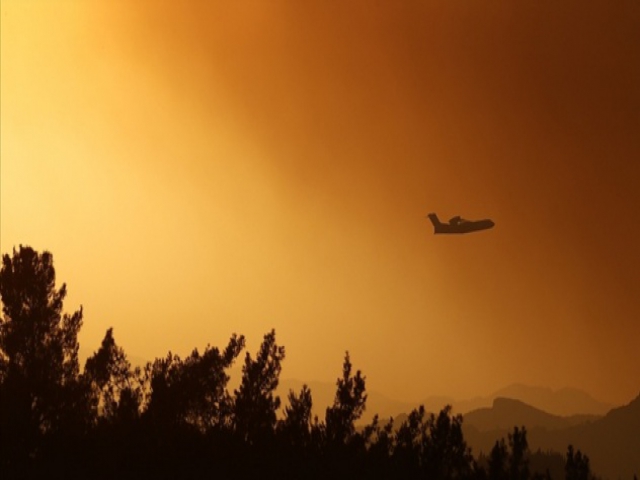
(577, 465)
(176, 418)
(255, 404)
(38, 357)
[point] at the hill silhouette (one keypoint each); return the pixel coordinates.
(612, 440)
(562, 403)
(507, 412)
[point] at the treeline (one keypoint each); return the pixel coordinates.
(176, 418)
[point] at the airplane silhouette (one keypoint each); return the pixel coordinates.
(459, 225)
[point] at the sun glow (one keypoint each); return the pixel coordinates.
(232, 168)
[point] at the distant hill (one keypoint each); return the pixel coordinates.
(563, 402)
(612, 441)
(506, 413)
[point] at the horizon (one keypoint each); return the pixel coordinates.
(235, 373)
(232, 168)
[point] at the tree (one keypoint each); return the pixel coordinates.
(512, 464)
(518, 458)
(348, 406)
(296, 424)
(380, 441)
(577, 465)
(113, 392)
(255, 402)
(38, 352)
(297, 441)
(192, 392)
(409, 444)
(446, 454)
(433, 446)
(498, 461)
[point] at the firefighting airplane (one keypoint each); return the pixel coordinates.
(459, 225)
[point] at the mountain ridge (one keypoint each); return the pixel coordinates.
(508, 412)
(611, 441)
(555, 402)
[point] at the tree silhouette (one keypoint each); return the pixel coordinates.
(409, 444)
(447, 454)
(192, 392)
(299, 436)
(296, 425)
(38, 353)
(380, 440)
(255, 403)
(518, 459)
(498, 461)
(577, 465)
(433, 446)
(511, 463)
(114, 392)
(348, 405)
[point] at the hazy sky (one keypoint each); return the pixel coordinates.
(203, 168)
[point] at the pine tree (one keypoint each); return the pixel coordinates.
(38, 354)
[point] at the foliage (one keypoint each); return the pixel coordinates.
(498, 461)
(255, 403)
(518, 460)
(577, 465)
(177, 419)
(433, 445)
(296, 425)
(192, 392)
(38, 354)
(348, 405)
(113, 391)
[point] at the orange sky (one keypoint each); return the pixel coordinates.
(199, 170)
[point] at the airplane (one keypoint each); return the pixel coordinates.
(459, 225)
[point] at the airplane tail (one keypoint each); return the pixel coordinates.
(435, 220)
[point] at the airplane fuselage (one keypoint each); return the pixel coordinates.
(463, 226)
